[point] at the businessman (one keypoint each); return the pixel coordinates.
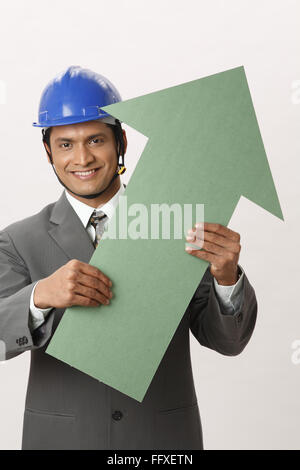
(44, 268)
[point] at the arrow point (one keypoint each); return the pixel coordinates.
(268, 200)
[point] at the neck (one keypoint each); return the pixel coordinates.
(103, 198)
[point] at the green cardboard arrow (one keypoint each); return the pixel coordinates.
(204, 147)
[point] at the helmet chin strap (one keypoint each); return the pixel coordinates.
(94, 195)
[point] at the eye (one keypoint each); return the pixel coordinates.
(65, 143)
(97, 140)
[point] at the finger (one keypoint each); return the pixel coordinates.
(91, 293)
(195, 232)
(86, 268)
(212, 242)
(220, 240)
(221, 230)
(198, 243)
(85, 301)
(192, 238)
(212, 248)
(210, 257)
(91, 281)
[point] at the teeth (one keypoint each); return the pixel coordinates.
(84, 173)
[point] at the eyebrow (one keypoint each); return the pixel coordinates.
(66, 139)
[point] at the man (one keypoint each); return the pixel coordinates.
(44, 268)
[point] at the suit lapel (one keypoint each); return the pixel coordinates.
(68, 231)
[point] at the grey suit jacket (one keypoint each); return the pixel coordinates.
(67, 409)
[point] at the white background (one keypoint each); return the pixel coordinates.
(250, 401)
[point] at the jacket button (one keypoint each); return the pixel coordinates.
(117, 415)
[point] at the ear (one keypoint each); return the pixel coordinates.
(125, 140)
(47, 150)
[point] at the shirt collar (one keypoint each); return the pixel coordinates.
(84, 211)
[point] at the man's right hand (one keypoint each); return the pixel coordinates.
(75, 283)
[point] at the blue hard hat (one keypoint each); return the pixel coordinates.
(75, 95)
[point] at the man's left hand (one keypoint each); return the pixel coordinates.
(221, 248)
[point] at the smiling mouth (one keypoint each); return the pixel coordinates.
(84, 175)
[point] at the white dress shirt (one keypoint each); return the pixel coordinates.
(230, 297)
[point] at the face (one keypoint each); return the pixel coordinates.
(84, 155)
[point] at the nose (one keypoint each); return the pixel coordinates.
(82, 156)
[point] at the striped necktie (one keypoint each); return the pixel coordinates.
(97, 220)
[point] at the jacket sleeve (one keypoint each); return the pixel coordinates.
(16, 335)
(226, 334)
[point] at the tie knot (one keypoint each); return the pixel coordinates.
(98, 220)
(96, 216)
